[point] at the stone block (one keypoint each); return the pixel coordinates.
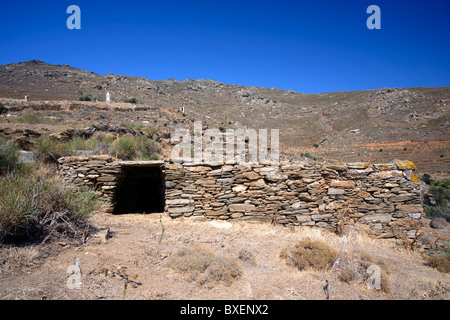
(179, 202)
(335, 191)
(377, 217)
(241, 207)
(342, 184)
(303, 218)
(317, 217)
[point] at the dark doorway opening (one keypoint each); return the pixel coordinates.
(141, 190)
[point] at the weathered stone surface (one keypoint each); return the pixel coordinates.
(303, 218)
(304, 196)
(239, 188)
(377, 217)
(335, 191)
(358, 165)
(363, 194)
(179, 202)
(321, 216)
(342, 184)
(178, 210)
(258, 183)
(409, 208)
(241, 207)
(251, 175)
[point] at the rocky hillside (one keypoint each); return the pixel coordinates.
(378, 125)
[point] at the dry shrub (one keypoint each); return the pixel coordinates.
(310, 254)
(191, 261)
(223, 270)
(37, 206)
(439, 262)
(200, 263)
(356, 271)
(18, 257)
(247, 257)
(349, 272)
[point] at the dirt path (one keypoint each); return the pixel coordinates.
(134, 264)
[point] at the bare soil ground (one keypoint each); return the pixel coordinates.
(134, 264)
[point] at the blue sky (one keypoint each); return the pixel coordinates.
(306, 46)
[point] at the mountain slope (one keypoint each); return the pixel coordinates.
(391, 123)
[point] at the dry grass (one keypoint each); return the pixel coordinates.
(310, 254)
(355, 270)
(200, 263)
(224, 270)
(13, 258)
(192, 261)
(135, 245)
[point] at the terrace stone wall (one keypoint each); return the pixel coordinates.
(383, 197)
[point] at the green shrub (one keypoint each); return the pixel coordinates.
(50, 149)
(104, 141)
(9, 155)
(85, 96)
(78, 143)
(36, 205)
(308, 155)
(29, 118)
(131, 100)
(124, 148)
(426, 178)
(19, 203)
(130, 147)
(439, 191)
(315, 145)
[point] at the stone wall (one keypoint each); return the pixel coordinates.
(99, 171)
(385, 197)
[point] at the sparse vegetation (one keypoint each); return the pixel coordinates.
(200, 263)
(191, 261)
(437, 198)
(129, 147)
(138, 127)
(439, 262)
(86, 96)
(50, 149)
(34, 203)
(308, 155)
(3, 109)
(224, 270)
(356, 270)
(9, 155)
(316, 145)
(29, 118)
